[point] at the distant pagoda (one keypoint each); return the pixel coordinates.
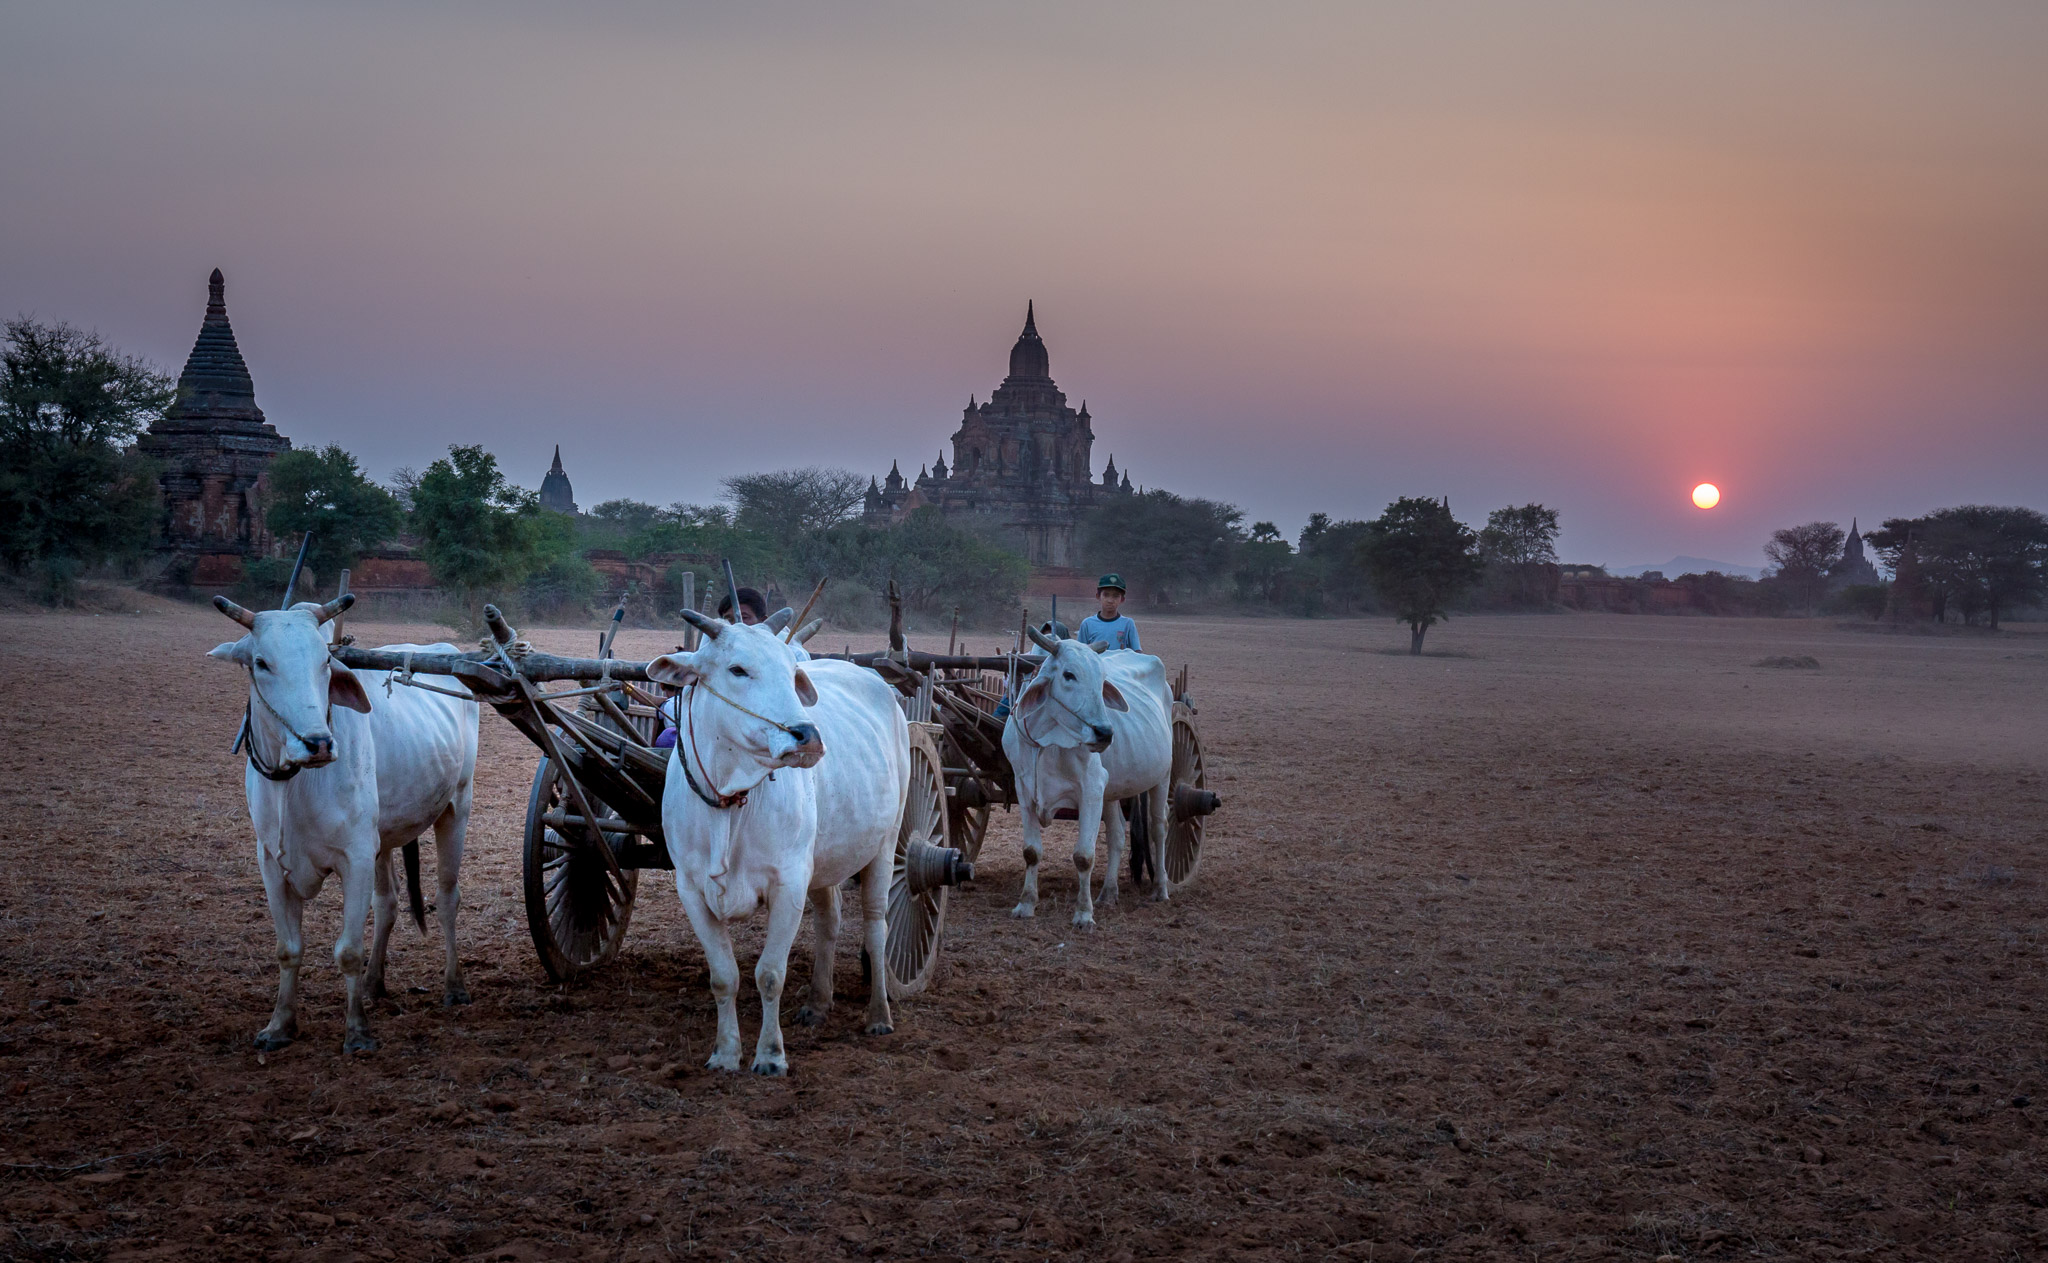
(215, 450)
(1020, 461)
(555, 491)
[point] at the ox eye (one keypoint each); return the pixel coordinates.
(1068, 674)
(740, 672)
(261, 665)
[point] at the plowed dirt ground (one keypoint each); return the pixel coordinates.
(1581, 938)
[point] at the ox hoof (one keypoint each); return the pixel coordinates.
(377, 990)
(1159, 896)
(359, 1042)
(880, 1028)
(1024, 911)
(808, 1016)
(454, 995)
(728, 1062)
(1084, 920)
(772, 1067)
(1107, 899)
(268, 1040)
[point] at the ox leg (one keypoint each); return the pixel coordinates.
(874, 915)
(725, 976)
(450, 829)
(1161, 802)
(287, 912)
(824, 942)
(383, 915)
(785, 918)
(1088, 825)
(357, 880)
(1034, 847)
(1112, 860)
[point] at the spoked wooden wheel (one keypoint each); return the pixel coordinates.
(926, 865)
(1191, 803)
(576, 910)
(967, 806)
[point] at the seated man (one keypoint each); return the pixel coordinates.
(753, 609)
(1107, 624)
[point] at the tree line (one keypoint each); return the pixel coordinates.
(1972, 564)
(74, 495)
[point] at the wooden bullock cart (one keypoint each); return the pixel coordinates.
(593, 819)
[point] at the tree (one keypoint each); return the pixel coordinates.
(938, 566)
(1265, 565)
(478, 531)
(1163, 544)
(1519, 542)
(1802, 556)
(1420, 558)
(1983, 560)
(326, 493)
(787, 505)
(70, 494)
(1330, 567)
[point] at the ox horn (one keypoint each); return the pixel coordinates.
(236, 612)
(1042, 640)
(808, 630)
(1099, 646)
(704, 623)
(780, 619)
(333, 609)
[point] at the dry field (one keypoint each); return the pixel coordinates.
(1582, 938)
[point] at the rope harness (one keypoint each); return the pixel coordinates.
(721, 802)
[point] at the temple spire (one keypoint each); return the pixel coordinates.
(556, 468)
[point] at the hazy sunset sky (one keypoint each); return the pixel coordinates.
(1294, 256)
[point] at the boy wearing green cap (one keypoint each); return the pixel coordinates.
(1108, 624)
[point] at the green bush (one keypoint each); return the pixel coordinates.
(565, 588)
(1863, 600)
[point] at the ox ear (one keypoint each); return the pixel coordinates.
(344, 689)
(1113, 699)
(806, 692)
(236, 651)
(674, 669)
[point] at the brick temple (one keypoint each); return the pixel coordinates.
(1021, 460)
(215, 450)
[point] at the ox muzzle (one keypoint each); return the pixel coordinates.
(806, 747)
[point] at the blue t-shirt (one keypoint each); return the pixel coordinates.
(1120, 632)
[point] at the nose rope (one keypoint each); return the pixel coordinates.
(273, 772)
(741, 709)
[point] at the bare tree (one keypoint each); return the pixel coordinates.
(1802, 556)
(794, 502)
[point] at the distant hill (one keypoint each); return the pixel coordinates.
(1690, 565)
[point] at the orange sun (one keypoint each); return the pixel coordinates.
(1706, 495)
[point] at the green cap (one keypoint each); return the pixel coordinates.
(1110, 581)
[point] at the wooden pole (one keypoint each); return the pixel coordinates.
(340, 590)
(895, 618)
(689, 603)
(799, 620)
(953, 639)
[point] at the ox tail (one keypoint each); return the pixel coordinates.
(412, 884)
(1137, 835)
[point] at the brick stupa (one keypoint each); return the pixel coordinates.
(215, 449)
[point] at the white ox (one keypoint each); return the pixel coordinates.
(758, 812)
(335, 785)
(1089, 730)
